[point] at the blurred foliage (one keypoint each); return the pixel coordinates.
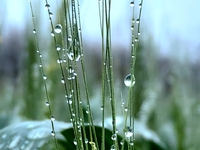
(166, 94)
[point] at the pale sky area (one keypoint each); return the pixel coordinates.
(173, 25)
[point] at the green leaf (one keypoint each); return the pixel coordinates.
(69, 136)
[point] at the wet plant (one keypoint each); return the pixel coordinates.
(63, 70)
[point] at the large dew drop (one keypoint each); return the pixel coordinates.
(58, 28)
(129, 80)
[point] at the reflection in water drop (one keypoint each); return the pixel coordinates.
(129, 80)
(58, 28)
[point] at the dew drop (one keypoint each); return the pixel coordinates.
(125, 109)
(58, 28)
(129, 80)
(122, 103)
(47, 6)
(44, 77)
(116, 131)
(40, 55)
(138, 21)
(58, 48)
(69, 38)
(75, 143)
(53, 133)
(140, 5)
(102, 107)
(70, 69)
(50, 14)
(122, 142)
(132, 4)
(131, 143)
(136, 39)
(128, 132)
(59, 61)
(47, 104)
(34, 31)
(53, 118)
(63, 81)
(86, 140)
(114, 137)
(52, 34)
(112, 147)
(70, 55)
(40, 65)
(132, 27)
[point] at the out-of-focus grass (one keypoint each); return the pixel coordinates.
(166, 92)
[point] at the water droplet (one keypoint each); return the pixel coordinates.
(75, 143)
(50, 14)
(63, 80)
(87, 111)
(70, 69)
(47, 6)
(40, 65)
(52, 34)
(138, 21)
(122, 103)
(112, 147)
(44, 77)
(34, 31)
(59, 61)
(122, 142)
(53, 118)
(69, 101)
(114, 137)
(40, 55)
(86, 140)
(129, 80)
(70, 55)
(132, 4)
(58, 48)
(53, 133)
(132, 27)
(131, 143)
(116, 131)
(140, 5)
(128, 132)
(47, 104)
(125, 109)
(58, 28)
(102, 107)
(69, 38)
(136, 39)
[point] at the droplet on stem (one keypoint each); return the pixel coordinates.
(58, 28)
(129, 80)
(132, 4)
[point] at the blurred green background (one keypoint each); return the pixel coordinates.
(167, 85)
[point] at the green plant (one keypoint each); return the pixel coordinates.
(63, 80)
